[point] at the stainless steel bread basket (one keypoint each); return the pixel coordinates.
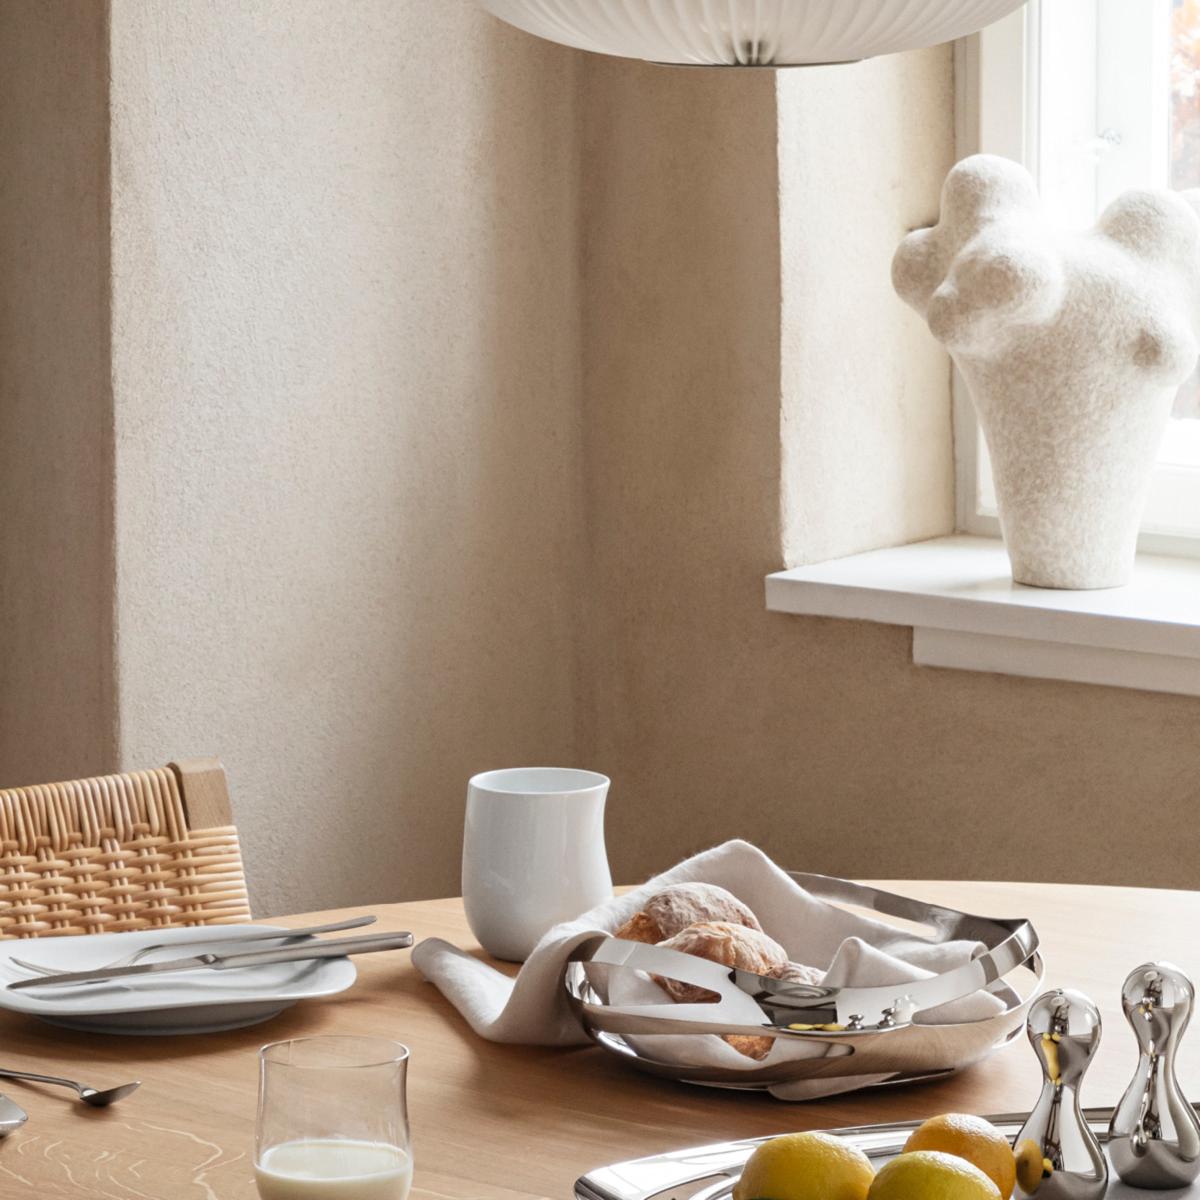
(839, 1038)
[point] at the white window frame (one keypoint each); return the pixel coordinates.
(956, 592)
(998, 113)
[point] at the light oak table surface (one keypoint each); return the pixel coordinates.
(494, 1121)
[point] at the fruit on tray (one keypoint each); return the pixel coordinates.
(809, 1166)
(974, 1139)
(954, 1156)
(931, 1175)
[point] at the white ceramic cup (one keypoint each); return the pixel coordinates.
(533, 854)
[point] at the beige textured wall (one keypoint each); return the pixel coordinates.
(346, 369)
(817, 738)
(868, 448)
(56, 709)
(453, 408)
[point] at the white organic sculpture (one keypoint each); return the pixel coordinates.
(1072, 345)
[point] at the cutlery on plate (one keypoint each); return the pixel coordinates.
(89, 1095)
(224, 941)
(333, 948)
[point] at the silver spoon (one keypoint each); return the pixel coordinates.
(12, 1116)
(227, 939)
(97, 1099)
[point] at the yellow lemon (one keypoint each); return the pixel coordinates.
(805, 1166)
(931, 1175)
(1032, 1168)
(974, 1139)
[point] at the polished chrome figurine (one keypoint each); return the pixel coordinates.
(1058, 1156)
(1154, 1137)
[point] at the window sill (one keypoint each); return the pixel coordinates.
(966, 613)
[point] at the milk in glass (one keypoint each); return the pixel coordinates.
(333, 1169)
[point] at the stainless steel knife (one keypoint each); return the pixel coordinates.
(331, 948)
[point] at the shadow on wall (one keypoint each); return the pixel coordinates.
(57, 709)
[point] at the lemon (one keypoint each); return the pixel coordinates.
(1032, 1168)
(932, 1175)
(974, 1139)
(805, 1166)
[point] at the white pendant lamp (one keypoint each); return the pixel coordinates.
(750, 33)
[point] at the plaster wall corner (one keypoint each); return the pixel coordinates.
(867, 440)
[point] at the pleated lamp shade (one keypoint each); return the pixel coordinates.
(750, 33)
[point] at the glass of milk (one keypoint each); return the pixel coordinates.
(333, 1120)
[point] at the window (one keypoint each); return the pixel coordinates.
(1109, 99)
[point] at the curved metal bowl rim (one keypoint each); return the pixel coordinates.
(760, 1077)
(1012, 943)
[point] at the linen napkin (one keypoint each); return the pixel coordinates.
(852, 949)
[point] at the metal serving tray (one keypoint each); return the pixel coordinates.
(709, 1172)
(854, 1036)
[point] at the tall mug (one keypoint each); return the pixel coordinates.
(533, 854)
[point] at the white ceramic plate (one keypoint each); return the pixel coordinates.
(185, 1002)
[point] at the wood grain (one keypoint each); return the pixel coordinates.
(514, 1122)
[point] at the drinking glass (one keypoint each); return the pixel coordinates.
(533, 854)
(333, 1120)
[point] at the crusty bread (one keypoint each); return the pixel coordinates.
(750, 1045)
(793, 972)
(679, 905)
(710, 922)
(721, 942)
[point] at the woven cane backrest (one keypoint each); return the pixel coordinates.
(117, 852)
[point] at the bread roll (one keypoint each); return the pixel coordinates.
(725, 943)
(710, 922)
(640, 928)
(679, 905)
(793, 972)
(751, 1045)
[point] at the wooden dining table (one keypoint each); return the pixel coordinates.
(502, 1122)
